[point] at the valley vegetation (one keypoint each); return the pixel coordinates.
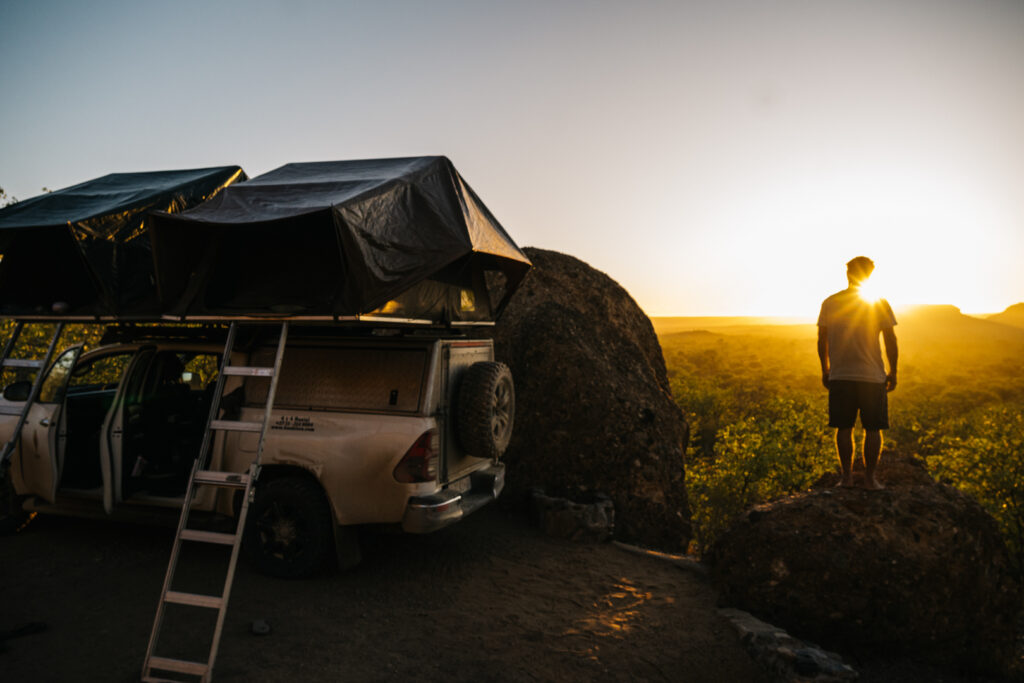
(758, 413)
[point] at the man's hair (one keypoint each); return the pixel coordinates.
(859, 268)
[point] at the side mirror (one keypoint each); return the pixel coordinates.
(18, 391)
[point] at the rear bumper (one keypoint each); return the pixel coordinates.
(424, 514)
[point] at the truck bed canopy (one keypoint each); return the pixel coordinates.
(401, 239)
(84, 251)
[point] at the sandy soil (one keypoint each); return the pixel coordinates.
(487, 600)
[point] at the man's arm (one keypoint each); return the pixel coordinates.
(892, 353)
(823, 353)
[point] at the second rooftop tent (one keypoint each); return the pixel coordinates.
(401, 239)
(84, 251)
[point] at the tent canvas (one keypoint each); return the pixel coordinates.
(84, 251)
(402, 238)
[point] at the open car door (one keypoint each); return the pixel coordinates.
(42, 437)
(122, 422)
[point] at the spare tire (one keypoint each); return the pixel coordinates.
(486, 409)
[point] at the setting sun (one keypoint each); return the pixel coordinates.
(867, 292)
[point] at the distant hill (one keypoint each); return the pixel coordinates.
(1014, 315)
(955, 359)
(921, 326)
(671, 325)
(948, 324)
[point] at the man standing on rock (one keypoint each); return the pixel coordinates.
(852, 369)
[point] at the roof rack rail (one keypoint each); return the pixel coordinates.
(250, 333)
(133, 332)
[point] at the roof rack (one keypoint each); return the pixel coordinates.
(122, 333)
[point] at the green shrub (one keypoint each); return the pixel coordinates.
(982, 454)
(781, 450)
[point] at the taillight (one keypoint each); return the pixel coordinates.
(419, 463)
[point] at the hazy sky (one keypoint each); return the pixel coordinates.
(721, 157)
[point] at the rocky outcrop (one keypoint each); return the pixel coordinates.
(594, 413)
(916, 568)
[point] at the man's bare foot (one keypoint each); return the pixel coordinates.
(845, 484)
(872, 485)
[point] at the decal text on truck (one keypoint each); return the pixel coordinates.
(294, 423)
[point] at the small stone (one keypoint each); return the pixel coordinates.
(806, 664)
(260, 627)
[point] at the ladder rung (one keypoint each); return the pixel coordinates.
(236, 426)
(194, 599)
(208, 536)
(10, 410)
(23, 363)
(178, 665)
(245, 371)
(235, 480)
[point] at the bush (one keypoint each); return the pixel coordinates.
(34, 339)
(783, 449)
(982, 454)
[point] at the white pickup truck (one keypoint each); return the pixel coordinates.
(403, 428)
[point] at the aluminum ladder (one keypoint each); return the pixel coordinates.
(40, 367)
(201, 476)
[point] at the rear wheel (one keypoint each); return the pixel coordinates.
(290, 530)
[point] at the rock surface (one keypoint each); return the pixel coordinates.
(917, 568)
(592, 520)
(594, 413)
(787, 659)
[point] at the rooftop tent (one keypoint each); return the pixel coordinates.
(393, 238)
(84, 251)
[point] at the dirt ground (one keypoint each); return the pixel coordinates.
(489, 599)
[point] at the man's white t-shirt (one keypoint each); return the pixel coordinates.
(853, 326)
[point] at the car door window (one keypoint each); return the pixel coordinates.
(53, 386)
(100, 373)
(200, 369)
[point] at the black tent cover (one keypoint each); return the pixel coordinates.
(84, 251)
(400, 239)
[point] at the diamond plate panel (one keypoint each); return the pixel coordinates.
(388, 380)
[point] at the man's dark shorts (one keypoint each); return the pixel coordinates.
(846, 398)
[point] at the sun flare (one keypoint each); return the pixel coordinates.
(868, 292)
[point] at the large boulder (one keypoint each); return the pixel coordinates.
(917, 568)
(594, 413)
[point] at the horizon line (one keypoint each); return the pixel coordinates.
(799, 318)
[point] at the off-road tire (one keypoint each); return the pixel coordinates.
(486, 409)
(289, 530)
